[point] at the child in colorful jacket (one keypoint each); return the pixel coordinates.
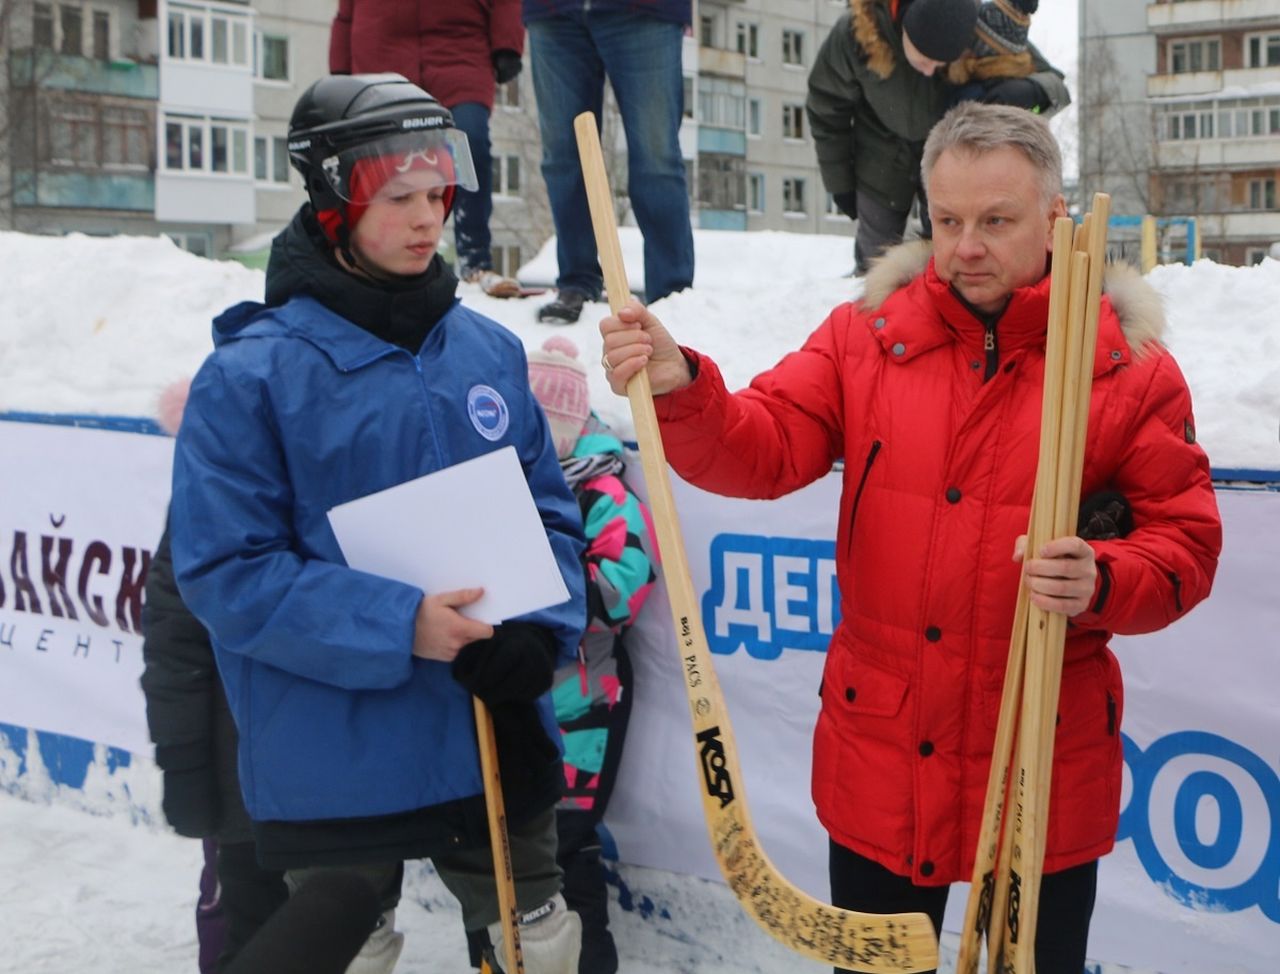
(593, 696)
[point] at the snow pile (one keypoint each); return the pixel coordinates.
(94, 325)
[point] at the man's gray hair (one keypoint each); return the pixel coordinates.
(977, 128)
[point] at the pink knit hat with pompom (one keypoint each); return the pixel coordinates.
(559, 382)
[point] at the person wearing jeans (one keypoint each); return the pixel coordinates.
(458, 50)
(573, 46)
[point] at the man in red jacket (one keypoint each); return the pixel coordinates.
(457, 50)
(929, 389)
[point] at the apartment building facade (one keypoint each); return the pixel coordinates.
(170, 116)
(1180, 118)
(755, 166)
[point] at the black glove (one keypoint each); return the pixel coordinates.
(1105, 515)
(191, 801)
(848, 203)
(506, 65)
(523, 745)
(518, 662)
(1019, 92)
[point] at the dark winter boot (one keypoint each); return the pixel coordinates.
(565, 309)
(587, 893)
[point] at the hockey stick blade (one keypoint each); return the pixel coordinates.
(873, 942)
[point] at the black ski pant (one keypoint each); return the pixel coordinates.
(250, 895)
(1062, 927)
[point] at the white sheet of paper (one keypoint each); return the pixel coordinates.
(474, 523)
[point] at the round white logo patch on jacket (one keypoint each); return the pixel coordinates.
(488, 412)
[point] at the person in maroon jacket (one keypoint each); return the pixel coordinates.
(929, 387)
(458, 50)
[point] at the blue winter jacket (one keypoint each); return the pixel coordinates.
(298, 410)
(678, 11)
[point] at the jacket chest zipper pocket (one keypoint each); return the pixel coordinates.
(857, 495)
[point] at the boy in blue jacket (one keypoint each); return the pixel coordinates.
(351, 692)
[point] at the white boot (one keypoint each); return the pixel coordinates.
(550, 939)
(381, 951)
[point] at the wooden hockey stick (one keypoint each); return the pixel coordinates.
(901, 942)
(987, 905)
(1003, 902)
(499, 842)
(1047, 630)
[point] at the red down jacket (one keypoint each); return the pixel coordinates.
(939, 467)
(446, 46)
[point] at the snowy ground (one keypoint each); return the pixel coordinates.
(86, 893)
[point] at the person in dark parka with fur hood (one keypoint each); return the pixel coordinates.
(876, 88)
(195, 738)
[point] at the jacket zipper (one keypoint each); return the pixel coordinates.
(993, 352)
(862, 483)
(1177, 590)
(1111, 715)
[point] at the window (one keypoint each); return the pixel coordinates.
(1263, 51)
(213, 37)
(1201, 54)
(177, 45)
(102, 35)
(755, 192)
(793, 196)
(832, 211)
(193, 243)
(126, 138)
(73, 134)
(270, 159)
(792, 47)
(1184, 123)
(706, 31)
(506, 259)
(273, 57)
(42, 25)
(688, 96)
(793, 121)
(754, 111)
(207, 145)
(1262, 194)
(508, 95)
(506, 175)
(722, 103)
(1241, 118)
(721, 185)
(748, 40)
(71, 19)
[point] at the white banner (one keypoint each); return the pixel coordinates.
(1194, 883)
(81, 511)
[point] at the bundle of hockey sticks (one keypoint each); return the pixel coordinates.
(1004, 898)
(901, 942)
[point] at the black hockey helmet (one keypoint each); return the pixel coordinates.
(350, 134)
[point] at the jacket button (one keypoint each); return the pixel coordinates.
(926, 868)
(926, 748)
(879, 323)
(1116, 355)
(899, 348)
(850, 693)
(933, 634)
(953, 495)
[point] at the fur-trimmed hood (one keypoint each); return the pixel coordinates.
(869, 17)
(1137, 305)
